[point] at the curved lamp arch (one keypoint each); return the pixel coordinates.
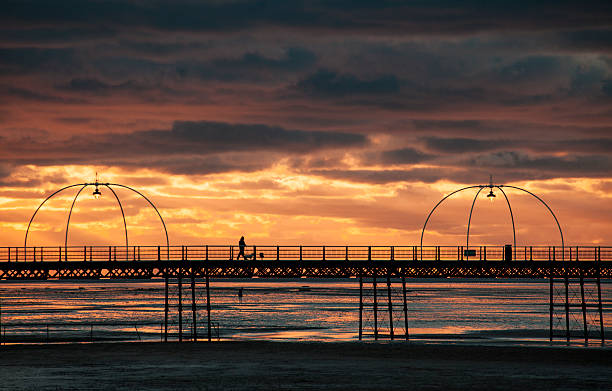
(481, 187)
(511, 215)
(72, 207)
(122, 214)
(70, 214)
(467, 242)
(109, 186)
(435, 207)
(150, 203)
(551, 212)
(25, 241)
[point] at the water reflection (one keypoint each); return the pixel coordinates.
(276, 310)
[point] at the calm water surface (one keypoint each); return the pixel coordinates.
(305, 309)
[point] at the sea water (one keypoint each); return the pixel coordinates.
(495, 311)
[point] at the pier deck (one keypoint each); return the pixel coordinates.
(144, 262)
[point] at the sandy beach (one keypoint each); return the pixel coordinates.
(302, 366)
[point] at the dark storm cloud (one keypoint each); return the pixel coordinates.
(467, 145)
(187, 139)
(462, 145)
(295, 59)
(98, 87)
(404, 156)
(566, 166)
(594, 40)
(426, 175)
(362, 16)
(251, 66)
(25, 94)
(330, 83)
(31, 59)
(606, 87)
(54, 35)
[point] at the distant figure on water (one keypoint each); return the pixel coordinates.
(242, 246)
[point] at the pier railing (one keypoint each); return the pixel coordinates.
(305, 253)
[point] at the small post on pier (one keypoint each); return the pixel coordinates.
(567, 305)
(360, 307)
(375, 308)
(584, 315)
(390, 304)
(180, 305)
(208, 306)
(405, 307)
(551, 303)
(194, 308)
(166, 307)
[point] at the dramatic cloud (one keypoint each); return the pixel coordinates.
(326, 82)
(176, 148)
(268, 116)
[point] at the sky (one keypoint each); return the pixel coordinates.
(306, 122)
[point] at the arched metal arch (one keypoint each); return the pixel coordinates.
(150, 203)
(467, 240)
(481, 187)
(25, 241)
(118, 202)
(435, 207)
(551, 212)
(84, 185)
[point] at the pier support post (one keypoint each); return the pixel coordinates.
(567, 305)
(405, 307)
(180, 305)
(599, 308)
(551, 305)
(375, 308)
(360, 308)
(584, 315)
(194, 310)
(390, 305)
(166, 307)
(208, 306)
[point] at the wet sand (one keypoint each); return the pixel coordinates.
(302, 366)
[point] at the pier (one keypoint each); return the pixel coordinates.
(187, 270)
(144, 262)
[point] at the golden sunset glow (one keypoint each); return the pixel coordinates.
(335, 124)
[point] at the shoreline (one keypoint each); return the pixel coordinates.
(302, 365)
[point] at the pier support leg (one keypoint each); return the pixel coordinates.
(600, 309)
(567, 305)
(208, 306)
(599, 305)
(360, 308)
(405, 308)
(390, 305)
(180, 306)
(375, 298)
(551, 307)
(194, 311)
(166, 308)
(584, 314)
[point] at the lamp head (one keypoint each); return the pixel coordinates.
(96, 193)
(491, 196)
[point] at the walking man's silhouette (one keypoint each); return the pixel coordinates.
(242, 246)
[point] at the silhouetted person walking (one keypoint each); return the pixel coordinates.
(242, 246)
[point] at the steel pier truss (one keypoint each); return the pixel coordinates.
(184, 298)
(576, 309)
(383, 308)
